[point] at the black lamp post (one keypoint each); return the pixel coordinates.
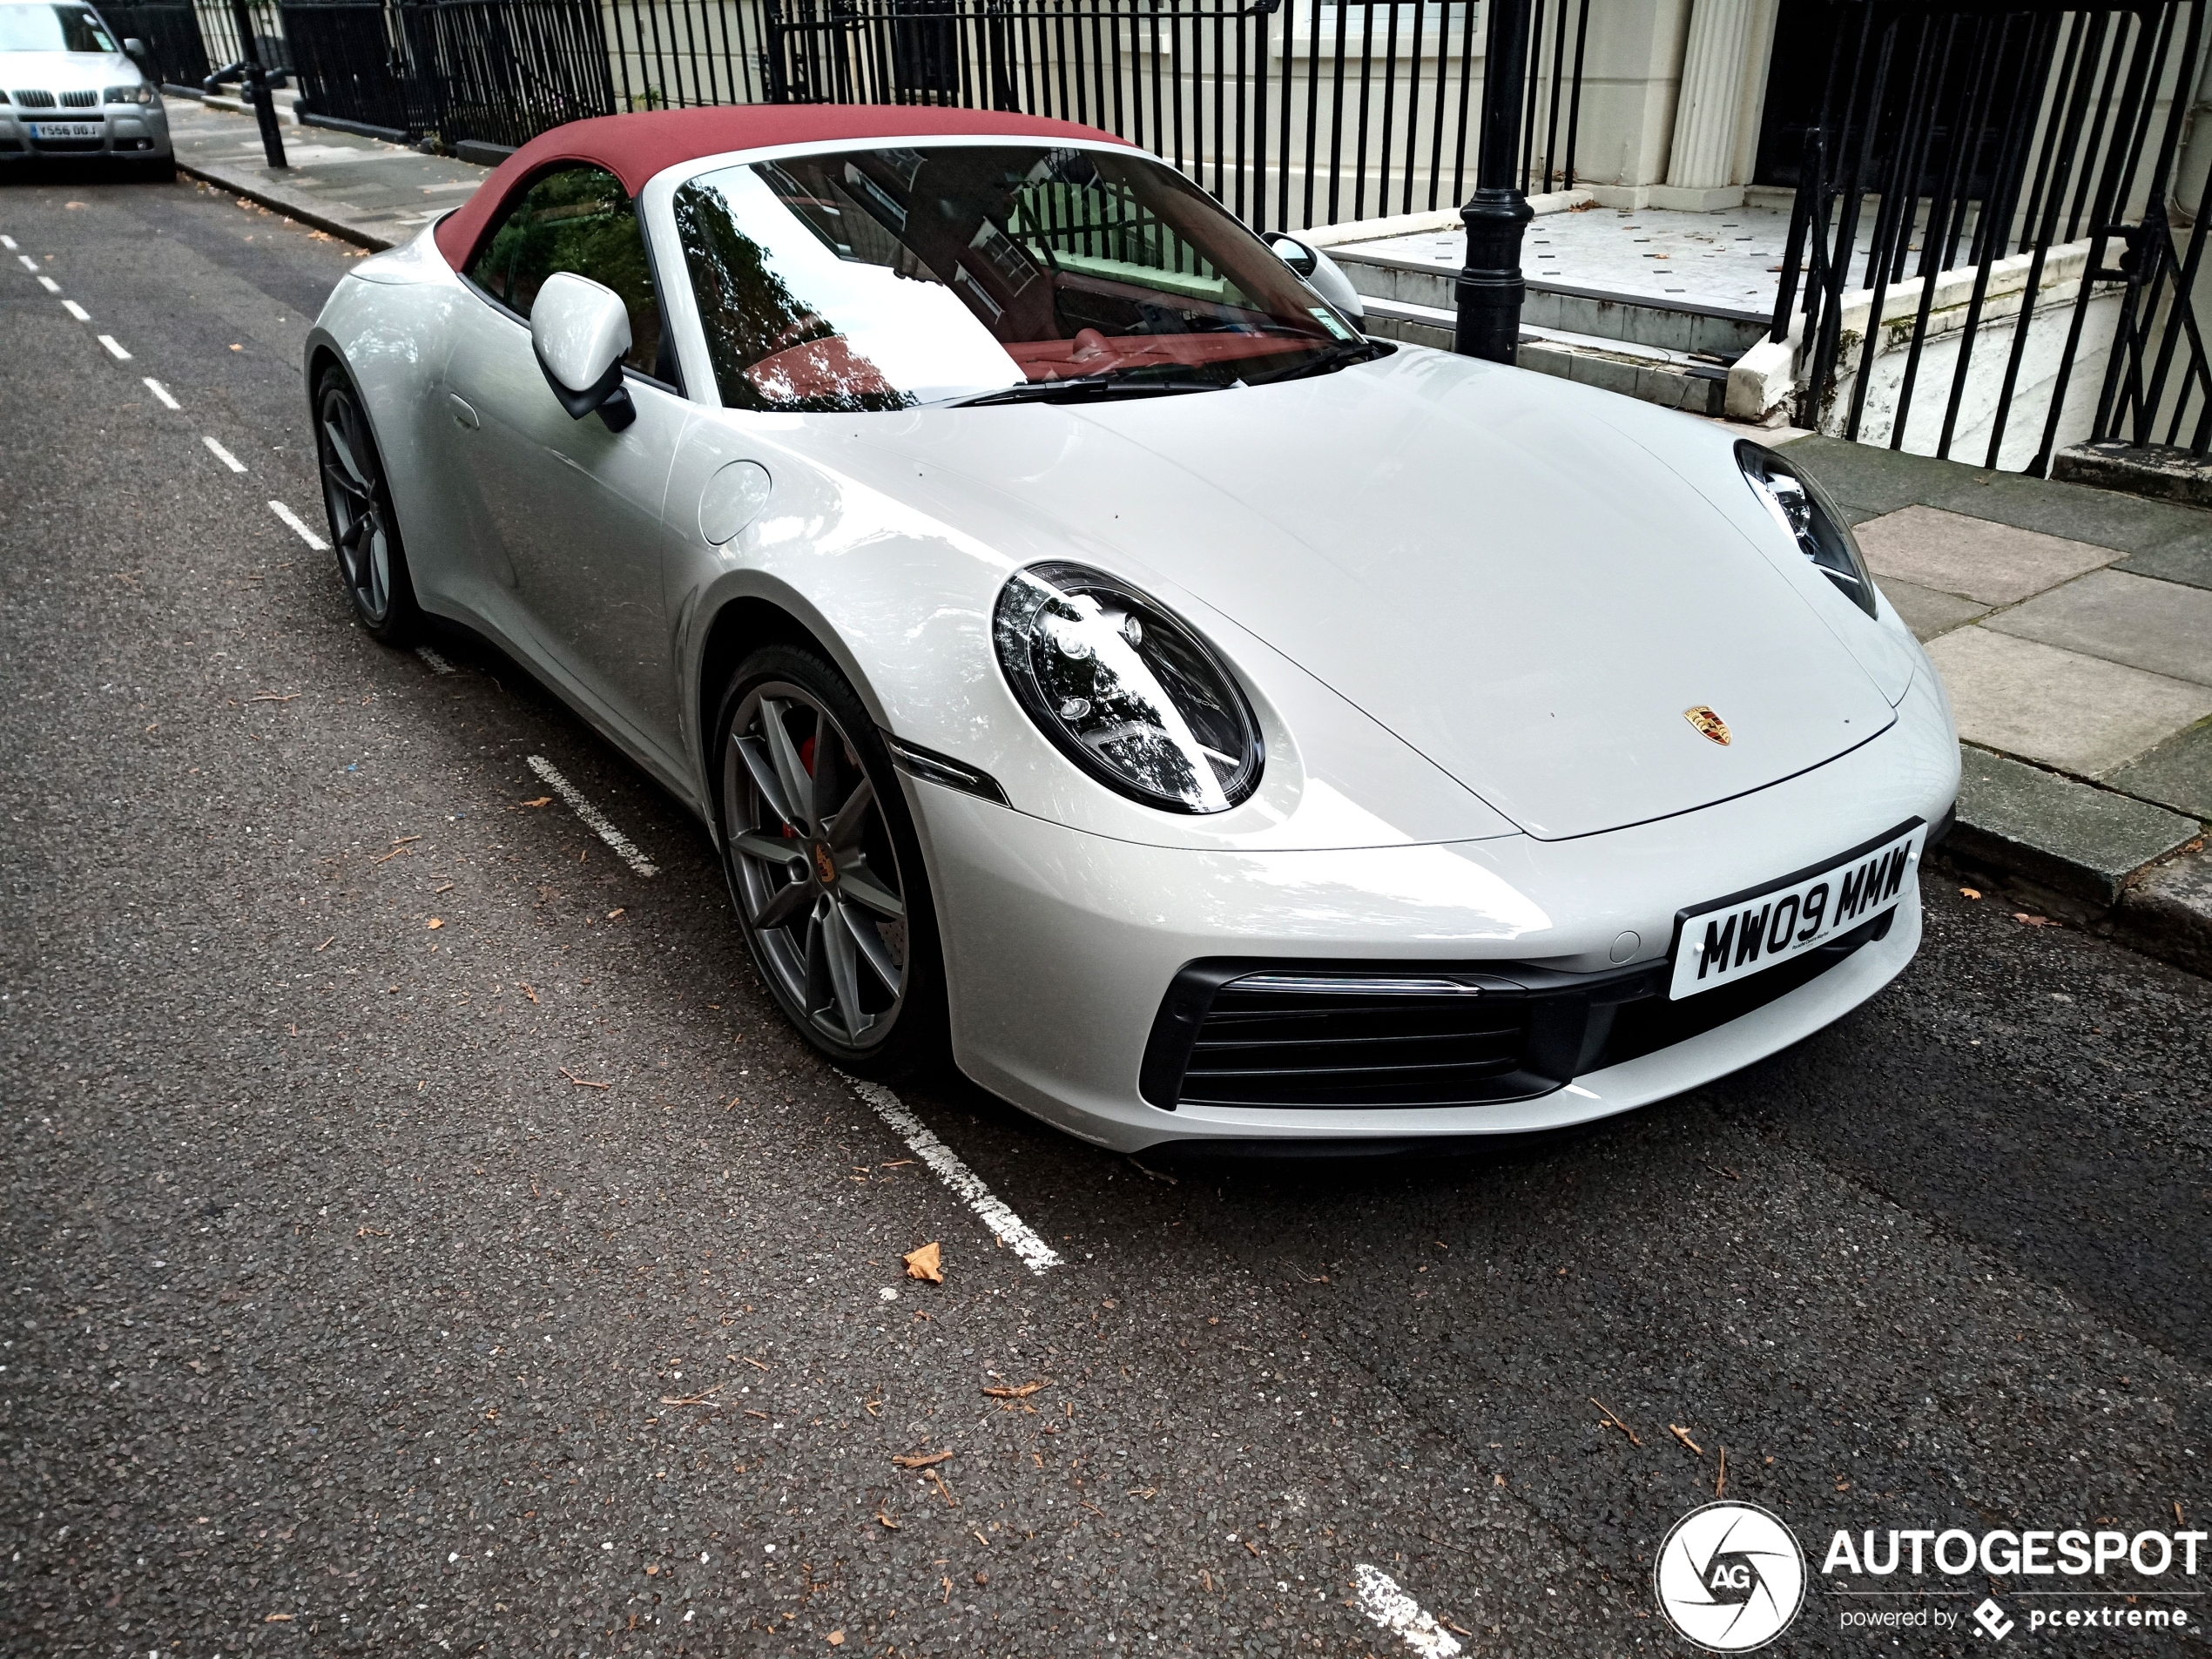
(254, 82)
(1490, 285)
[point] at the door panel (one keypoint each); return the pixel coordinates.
(577, 509)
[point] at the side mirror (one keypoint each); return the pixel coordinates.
(1321, 273)
(133, 47)
(580, 331)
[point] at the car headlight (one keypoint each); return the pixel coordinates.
(1803, 509)
(1126, 689)
(139, 94)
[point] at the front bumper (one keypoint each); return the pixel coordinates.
(126, 133)
(1061, 947)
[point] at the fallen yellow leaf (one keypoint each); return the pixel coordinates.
(542, 800)
(926, 1262)
(437, 921)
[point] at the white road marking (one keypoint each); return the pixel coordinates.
(115, 350)
(594, 819)
(291, 518)
(1386, 1605)
(436, 663)
(8, 242)
(162, 392)
(29, 264)
(50, 284)
(223, 455)
(966, 1185)
(74, 309)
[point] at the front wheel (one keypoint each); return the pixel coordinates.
(824, 868)
(358, 499)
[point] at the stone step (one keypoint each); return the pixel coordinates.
(1697, 383)
(1643, 319)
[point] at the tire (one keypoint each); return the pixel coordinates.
(160, 171)
(357, 500)
(836, 908)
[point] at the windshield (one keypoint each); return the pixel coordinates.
(889, 277)
(52, 29)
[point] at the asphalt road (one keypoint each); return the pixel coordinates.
(420, 1231)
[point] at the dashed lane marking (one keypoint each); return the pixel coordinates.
(966, 1185)
(434, 662)
(27, 262)
(115, 350)
(8, 242)
(50, 284)
(223, 455)
(1386, 1605)
(162, 392)
(76, 310)
(299, 524)
(593, 818)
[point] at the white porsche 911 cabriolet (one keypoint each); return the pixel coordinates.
(1098, 662)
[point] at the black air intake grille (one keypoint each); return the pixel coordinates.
(79, 100)
(36, 100)
(1288, 1039)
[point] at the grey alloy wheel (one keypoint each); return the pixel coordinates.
(815, 867)
(359, 501)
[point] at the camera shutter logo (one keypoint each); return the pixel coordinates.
(1730, 1577)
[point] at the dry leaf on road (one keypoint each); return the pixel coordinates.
(919, 1460)
(1023, 1392)
(926, 1262)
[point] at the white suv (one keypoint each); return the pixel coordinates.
(67, 89)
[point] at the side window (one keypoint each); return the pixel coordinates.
(577, 219)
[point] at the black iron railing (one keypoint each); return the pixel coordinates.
(175, 54)
(1976, 159)
(1293, 112)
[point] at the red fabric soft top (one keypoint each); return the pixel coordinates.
(635, 147)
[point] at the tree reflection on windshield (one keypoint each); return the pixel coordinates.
(882, 279)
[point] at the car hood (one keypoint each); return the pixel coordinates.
(1482, 560)
(65, 72)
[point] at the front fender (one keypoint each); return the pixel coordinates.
(901, 596)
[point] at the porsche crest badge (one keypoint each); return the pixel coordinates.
(1710, 723)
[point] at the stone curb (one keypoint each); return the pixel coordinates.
(2107, 855)
(307, 213)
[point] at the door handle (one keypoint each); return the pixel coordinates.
(462, 415)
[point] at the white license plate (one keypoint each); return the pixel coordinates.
(65, 129)
(1731, 939)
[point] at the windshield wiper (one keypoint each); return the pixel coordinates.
(1082, 388)
(1338, 356)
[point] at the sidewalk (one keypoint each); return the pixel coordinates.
(2072, 626)
(366, 191)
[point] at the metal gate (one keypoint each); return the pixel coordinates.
(1969, 170)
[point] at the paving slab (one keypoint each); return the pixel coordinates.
(368, 192)
(2073, 837)
(2078, 713)
(2146, 623)
(2177, 773)
(2188, 560)
(1869, 478)
(1995, 564)
(1928, 611)
(2075, 511)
